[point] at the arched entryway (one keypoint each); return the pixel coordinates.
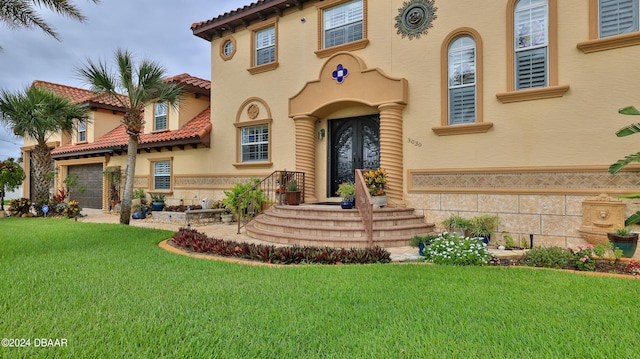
(346, 81)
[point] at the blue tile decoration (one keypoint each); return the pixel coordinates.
(340, 73)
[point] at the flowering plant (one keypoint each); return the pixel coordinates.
(451, 249)
(376, 181)
(584, 258)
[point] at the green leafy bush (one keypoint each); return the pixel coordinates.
(549, 257)
(450, 249)
(18, 207)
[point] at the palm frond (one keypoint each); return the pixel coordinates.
(628, 130)
(629, 110)
(633, 219)
(616, 167)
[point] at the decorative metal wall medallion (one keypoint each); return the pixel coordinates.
(415, 18)
(253, 111)
(340, 73)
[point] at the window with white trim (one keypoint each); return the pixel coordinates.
(255, 143)
(616, 17)
(82, 131)
(162, 175)
(531, 28)
(462, 81)
(160, 116)
(265, 46)
(343, 23)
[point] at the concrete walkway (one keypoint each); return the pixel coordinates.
(217, 230)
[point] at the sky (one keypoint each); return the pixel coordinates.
(155, 29)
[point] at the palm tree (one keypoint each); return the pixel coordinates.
(37, 114)
(142, 84)
(22, 13)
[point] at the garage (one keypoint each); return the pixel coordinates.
(89, 176)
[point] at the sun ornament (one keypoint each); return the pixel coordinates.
(415, 18)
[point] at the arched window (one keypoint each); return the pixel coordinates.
(462, 81)
(461, 86)
(531, 30)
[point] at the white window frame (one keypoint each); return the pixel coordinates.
(633, 13)
(331, 22)
(461, 81)
(162, 170)
(265, 40)
(254, 149)
(82, 131)
(160, 116)
(533, 44)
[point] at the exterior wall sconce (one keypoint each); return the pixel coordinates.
(321, 134)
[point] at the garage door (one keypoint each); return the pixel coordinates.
(89, 176)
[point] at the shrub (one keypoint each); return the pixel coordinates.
(453, 250)
(18, 207)
(549, 257)
(192, 240)
(583, 258)
(633, 267)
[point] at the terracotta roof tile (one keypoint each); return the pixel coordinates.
(78, 95)
(195, 131)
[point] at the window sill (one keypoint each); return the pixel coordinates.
(82, 142)
(533, 94)
(160, 131)
(253, 165)
(349, 46)
(263, 68)
(462, 129)
(608, 43)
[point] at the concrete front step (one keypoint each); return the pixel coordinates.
(335, 227)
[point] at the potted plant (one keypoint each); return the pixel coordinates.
(226, 217)
(138, 211)
(456, 224)
(624, 239)
(376, 180)
(347, 191)
(158, 201)
(422, 242)
(141, 197)
(483, 226)
(293, 193)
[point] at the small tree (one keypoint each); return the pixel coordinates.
(11, 176)
(635, 157)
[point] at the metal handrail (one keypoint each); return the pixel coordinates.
(273, 187)
(365, 206)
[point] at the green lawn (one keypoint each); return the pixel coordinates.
(112, 293)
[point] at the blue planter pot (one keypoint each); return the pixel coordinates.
(421, 249)
(139, 215)
(157, 206)
(346, 205)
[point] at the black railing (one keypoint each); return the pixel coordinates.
(269, 191)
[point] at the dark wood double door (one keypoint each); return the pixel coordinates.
(354, 144)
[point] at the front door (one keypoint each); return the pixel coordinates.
(355, 144)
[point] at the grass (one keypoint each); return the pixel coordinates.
(111, 292)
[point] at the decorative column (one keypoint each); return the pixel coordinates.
(306, 154)
(391, 151)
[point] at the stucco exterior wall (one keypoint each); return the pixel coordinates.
(546, 139)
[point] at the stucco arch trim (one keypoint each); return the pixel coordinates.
(372, 87)
(253, 105)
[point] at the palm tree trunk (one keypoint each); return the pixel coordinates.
(132, 151)
(41, 169)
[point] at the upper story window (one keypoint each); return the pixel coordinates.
(461, 84)
(613, 24)
(255, 143)
(342, 26)
(531, 19)
(162, 175)
(264, 46)
(228, 48)
(462, 81)
(160, 116)
(617, 17)
(532, 51)
(343, 23)
(82, 131)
